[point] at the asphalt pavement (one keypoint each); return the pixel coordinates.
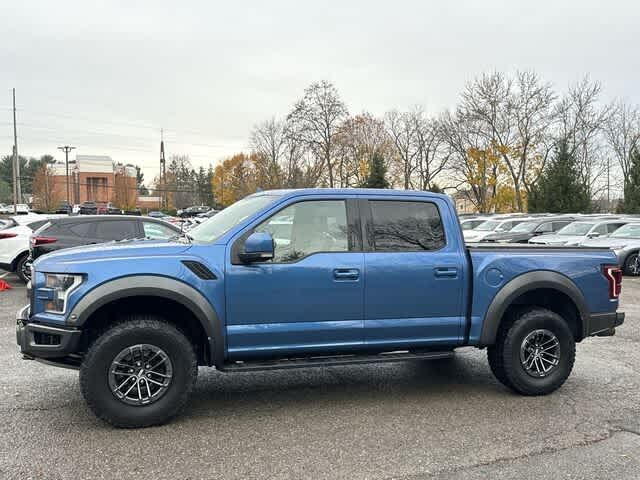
(414, 420)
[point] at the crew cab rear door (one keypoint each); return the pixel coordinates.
(415, 273)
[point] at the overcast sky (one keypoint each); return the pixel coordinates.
(106, 76)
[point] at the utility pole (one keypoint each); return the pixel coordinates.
(66, 149)
(608, 186)
(163, 172)
(17, 191)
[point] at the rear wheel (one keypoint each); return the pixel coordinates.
(534, 353)
(632, 265)
(139, 373)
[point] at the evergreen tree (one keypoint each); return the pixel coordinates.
(559, 189)
(377, 173)
(631, 201)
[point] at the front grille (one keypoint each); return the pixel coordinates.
(41, 338)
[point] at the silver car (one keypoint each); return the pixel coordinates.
(578, 232)
(625, 242)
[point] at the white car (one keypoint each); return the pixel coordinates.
(498, 225)
(14, 244)
(580, 231)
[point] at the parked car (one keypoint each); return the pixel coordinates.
(76, 231)
(107, 208)
(625, 242)
(157, 214)
(5, 209)
(497, 225)
(529, 229)
(364, 276)
(577, 232)
(14, 246)
(88, 208)
(193, 211)
(471, 223)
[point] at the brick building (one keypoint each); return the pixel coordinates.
(96, 178)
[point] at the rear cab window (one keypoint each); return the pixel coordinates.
(405, 226)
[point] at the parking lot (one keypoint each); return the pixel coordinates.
(414, 420)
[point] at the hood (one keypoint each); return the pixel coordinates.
(557, 239)
(614, 243)
(129, 250)
(508, 237)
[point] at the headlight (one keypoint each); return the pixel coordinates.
(59, 287)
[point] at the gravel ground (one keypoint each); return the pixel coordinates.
(413, 420)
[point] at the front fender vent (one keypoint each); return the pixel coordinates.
(200, 270)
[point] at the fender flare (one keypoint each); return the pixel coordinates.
(155, 286)
(525, 283)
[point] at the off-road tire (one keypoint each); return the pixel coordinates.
(138, 329)
(504, 355)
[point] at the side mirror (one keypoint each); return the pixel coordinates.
(258, 247)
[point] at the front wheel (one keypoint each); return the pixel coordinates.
(139, 373)
(534, 354)
(23, 268)
(632, 265)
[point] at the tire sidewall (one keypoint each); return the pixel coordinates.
(517, 373)
(96, 377)
(631, 258)
(20, 266)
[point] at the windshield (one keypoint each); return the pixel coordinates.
(630, 230)
(488, 226)
(576, 228)
(524, 227)
(225, 220)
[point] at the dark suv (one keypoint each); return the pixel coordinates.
(68, 232)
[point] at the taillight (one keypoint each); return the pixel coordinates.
(613, 274)
(7, 235)
(37, 241)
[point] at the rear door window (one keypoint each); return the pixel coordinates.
(401, 226)
(82, 229)
(612, 227)
(117, 230)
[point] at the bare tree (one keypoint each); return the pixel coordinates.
(318, 117)
(514, 115)
(580, 121)
(360, 138)
(401, 127)
(268, 142)
(623, 133)
(432, 154)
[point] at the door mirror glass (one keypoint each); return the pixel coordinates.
(258, 247)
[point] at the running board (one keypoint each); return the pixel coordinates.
(257, 365)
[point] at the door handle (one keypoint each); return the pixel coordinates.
(346, 274)
(445, 272)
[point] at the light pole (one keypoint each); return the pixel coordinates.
(66, 149)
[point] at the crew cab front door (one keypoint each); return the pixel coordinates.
(309, 298)
(415, 275)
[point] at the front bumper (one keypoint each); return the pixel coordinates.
(44, 341)
(603, 324)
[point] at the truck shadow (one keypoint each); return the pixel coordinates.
(218, 394)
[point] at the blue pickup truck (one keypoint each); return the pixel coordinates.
(307, 278)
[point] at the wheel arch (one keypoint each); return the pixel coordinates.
(134, 291)
(544, 288)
